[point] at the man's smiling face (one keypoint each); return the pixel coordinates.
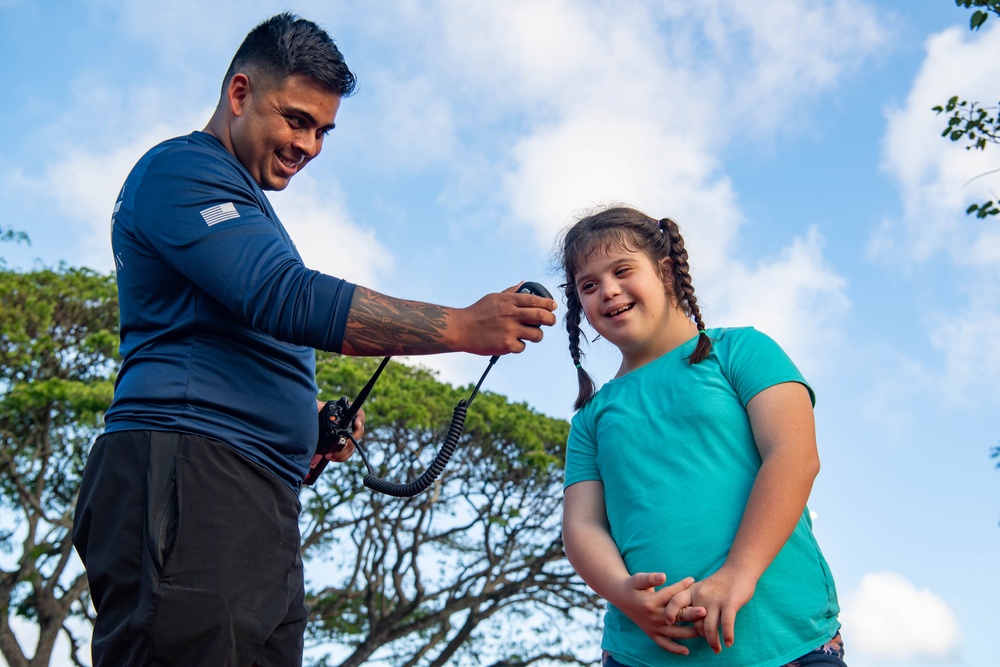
(278, 129)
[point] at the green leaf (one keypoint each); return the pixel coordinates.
(983, 210)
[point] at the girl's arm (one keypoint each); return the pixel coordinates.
(784, 429)
(595, 557)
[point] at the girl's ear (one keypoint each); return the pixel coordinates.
(669, 284)
(667, 272)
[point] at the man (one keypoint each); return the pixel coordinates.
(187, 520)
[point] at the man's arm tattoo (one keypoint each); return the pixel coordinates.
(382, 325)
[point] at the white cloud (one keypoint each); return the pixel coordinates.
(759, 58)
(527, 54)
(76, 192)
(88, 185)
(598, 157)
(775, 55)
(319, 223)
(797, 298)
(630, 107)
(892, 620)
(937, 178)
(89, 151)
(400, 120)
(623, 113)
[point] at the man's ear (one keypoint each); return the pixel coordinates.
(238, 94)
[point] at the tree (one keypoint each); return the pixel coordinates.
(422, 581)
(469, 572)
(977, 124)
(58, 348)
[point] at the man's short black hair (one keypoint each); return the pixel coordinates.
(284, 45)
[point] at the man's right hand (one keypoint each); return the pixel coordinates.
(501, 323)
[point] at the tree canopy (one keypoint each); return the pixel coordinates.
(58, 347)
(470, 572)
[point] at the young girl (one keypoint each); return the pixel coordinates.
(693, 465)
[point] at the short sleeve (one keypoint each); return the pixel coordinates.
(581, 449)
(754, 362)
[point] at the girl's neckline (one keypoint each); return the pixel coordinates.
(690, 342)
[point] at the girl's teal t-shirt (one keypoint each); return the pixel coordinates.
(672, 444)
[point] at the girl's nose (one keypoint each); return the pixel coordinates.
(610, 289)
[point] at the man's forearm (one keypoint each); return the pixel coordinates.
(382, 325)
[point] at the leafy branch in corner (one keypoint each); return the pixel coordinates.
(979, 16)
(978, 125)
(971, 121)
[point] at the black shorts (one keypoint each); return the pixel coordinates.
(192, 552)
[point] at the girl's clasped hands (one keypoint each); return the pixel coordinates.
(687, 608)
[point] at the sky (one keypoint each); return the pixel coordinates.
(792, 140)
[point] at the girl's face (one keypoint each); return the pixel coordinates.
(628, 304)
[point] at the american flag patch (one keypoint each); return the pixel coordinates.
(213, 215)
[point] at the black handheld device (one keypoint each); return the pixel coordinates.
(534, 288)
(336, 419)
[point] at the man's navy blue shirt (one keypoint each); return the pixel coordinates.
(219, 316)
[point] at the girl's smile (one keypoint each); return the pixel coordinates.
(626, 300)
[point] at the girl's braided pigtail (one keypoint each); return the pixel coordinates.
(573, 317)
(683, 289)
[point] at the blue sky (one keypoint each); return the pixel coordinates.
(792, 140)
